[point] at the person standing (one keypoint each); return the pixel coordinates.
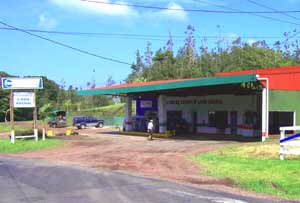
(150, 129)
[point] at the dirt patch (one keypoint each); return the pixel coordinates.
(161, 157)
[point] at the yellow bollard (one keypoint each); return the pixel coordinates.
(68, 132)
(50, 133)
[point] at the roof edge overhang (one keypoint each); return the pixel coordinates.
(223, 80)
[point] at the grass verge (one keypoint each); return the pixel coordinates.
(22, 145)
(5, 127)
(254, 167)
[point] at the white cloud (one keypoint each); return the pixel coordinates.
(178, 14)
(95, 8)
(46, 22)
(122, 10)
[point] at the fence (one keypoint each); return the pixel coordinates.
(113, 120)
(290, 144)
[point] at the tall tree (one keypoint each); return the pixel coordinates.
(148, 55)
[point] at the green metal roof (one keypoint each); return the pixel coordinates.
(144, 87)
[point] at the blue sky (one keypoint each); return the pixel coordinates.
(21, 54)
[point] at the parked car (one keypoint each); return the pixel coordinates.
(82, 122)
(58, 119)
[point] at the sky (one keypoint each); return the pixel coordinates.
(22, 54)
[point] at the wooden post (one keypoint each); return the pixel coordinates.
(11, 115)
(34, 111)
(35, 117)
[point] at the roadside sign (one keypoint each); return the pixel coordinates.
(22, 83)
(23, 100)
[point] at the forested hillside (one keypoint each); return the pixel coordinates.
(204, 58)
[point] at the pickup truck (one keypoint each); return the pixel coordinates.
(82, 122)
(58, 119)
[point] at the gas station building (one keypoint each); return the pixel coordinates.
(250, 103)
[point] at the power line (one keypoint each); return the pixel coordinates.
(135, 36)
(254, 14)
(187, 10)
(267, 7)
(264, 6)
(65, 45)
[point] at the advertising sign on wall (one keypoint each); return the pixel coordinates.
(23, 99)
(146, 104)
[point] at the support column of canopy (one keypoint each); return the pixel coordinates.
(265, 109)
(162, 113)
(264, 115)
(128, 113)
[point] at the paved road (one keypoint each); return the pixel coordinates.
(34, 181)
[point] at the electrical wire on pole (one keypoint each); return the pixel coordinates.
(254, 14)
(65, 45)
(291, 16)
(133, 36)
(188, 10)
(268, 7)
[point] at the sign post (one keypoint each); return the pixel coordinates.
(22, 100)
(11, 115)
(35, 118)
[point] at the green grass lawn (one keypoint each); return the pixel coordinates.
(5, 127)
(254, 167)
(27, 145)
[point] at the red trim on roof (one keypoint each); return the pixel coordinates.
(281, 78)
(265, 71)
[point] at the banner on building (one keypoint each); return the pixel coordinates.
(146, 104)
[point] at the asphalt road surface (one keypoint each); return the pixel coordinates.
(34, 181)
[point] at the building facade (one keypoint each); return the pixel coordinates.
(250, 103)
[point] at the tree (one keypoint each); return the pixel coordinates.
(190, 44)
(110, 81)
(148, 55)
(67, 104)
(45, 112)
(136, 69)
(225, 56)
(170, 43)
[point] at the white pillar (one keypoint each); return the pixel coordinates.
(162, 113)
(12, 137)
(44, 134)
(128, 113)
(264, 115)
(36, 134)
(267, 113)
